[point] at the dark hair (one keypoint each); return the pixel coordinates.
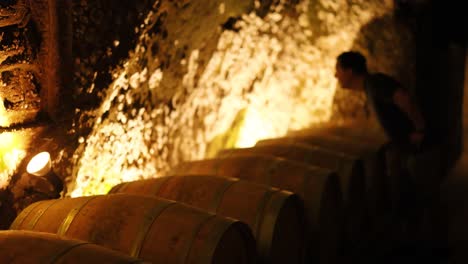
(353, 60)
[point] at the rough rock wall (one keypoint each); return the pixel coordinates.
(205, 75)
(133, 124)
(19, 42)
(30, 88)
(24, 77)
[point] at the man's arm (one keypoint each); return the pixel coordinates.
(403, 100)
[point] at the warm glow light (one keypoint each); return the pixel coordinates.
(12, 151)
(40, 164)
(257, 125)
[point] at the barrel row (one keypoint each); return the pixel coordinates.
(275, 216)
(340, 179)
(320, 172)
(318, 189)
(148, 228)
(272, 216)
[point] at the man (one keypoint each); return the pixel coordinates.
(396, 112)
(404, 125)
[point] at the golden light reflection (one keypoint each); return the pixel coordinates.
(258, 125)
(12, 151)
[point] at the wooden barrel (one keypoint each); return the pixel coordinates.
(20, 247)
(357, 131)
(350, 171)
(153, 229)
(372, 156)
(276, 217)
(319, 189)
(327, 141)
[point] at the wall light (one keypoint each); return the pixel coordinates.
(40, 164)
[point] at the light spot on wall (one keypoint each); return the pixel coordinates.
(12, 152)
(222, 8)
(258, 124)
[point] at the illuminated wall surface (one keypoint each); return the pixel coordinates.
(19, 90)
(197, 81)
(12, 150)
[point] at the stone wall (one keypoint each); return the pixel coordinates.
(29, 90)
(159, 82)
(205, 75)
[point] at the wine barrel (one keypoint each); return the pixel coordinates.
(373, 157)
(357, 131)
(350, 171)
(327, 141)
(19, 247)
(153, 229)
(276, 217)
(318, 188)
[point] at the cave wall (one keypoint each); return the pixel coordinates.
(204, 75)
(19, 68)
(153, 83)
(31, 87)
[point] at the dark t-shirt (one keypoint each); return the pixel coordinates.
(380, 89)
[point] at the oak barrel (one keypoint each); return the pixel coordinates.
(318, 188)
(372, 156)
(350, 171)
(20, 247)
(276, 217)
(369, 133)
(153, 229)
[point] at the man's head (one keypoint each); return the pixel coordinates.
(350, 67)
